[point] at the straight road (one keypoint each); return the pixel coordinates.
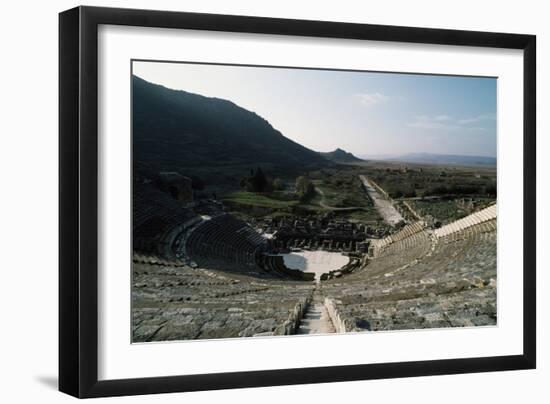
(382, 205)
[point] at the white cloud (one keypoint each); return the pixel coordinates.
(370, 99)
(477, 119)
(448, 123)
(429, 122)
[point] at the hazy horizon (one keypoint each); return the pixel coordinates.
(365, 113)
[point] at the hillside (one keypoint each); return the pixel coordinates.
(177, 130)
(340, 156)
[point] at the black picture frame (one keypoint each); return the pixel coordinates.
(78, 201)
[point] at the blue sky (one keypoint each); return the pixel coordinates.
(366, 113)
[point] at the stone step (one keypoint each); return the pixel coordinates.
(316, 320)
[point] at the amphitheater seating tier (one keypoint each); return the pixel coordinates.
(154, 216)
(447, 282)
(483, 215)
(412, 232)
(176, 303)
(226, 239)
(418, 278)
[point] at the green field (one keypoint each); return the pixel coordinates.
(274, 200)
(339, 190)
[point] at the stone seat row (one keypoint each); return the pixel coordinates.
(472, 255)
(417, 240)
(423, 312)
(378, 245)
(172, 312)
(453, 284)
(226, 238)
(489, 226)
(489, 213)
(155, 260)
(154, 216)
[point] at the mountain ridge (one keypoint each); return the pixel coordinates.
(179, 130)
(340, 156)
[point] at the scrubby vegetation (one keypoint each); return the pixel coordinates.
(424, 181)
(444, 211)
(439, 194)
(341, 188)
(305, 189)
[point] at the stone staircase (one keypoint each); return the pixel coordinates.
(316, 320)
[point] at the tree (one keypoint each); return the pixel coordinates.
(258, 182)
(304, 188)
(301, 185)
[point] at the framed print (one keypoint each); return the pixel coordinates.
(250, 201)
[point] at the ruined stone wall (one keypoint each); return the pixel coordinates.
(413, 212)
(337, 321)
(380, 190)
(290, 326)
